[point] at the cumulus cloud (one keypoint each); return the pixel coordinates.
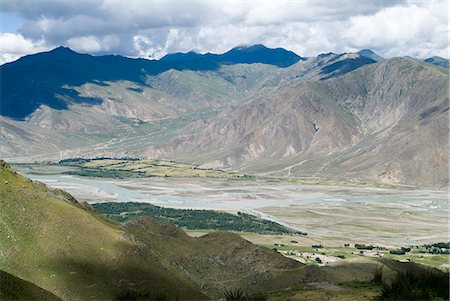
(93, 44)
(13, 46)
(422, 31)
(153, 28)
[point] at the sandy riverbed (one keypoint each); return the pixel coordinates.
(328, 213)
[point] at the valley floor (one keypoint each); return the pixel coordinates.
(338, 266)
(331, 215)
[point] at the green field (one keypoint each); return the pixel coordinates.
(138, 167)
(132, 167)
(122, 168)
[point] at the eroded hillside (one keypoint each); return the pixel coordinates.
(384, 122)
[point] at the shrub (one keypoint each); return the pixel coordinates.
(419, 285)
(378, 275)
(397, 252)
(401, 251)
(236, 294)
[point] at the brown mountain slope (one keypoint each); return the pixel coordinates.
(129, 116)
(385, 122)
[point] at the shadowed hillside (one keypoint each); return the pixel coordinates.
(48, 78)
(13, 288)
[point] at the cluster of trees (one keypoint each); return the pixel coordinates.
(438, 248)
(86, 160)
(441, 245)
(106, 173)
(364, 247)
(401, 251)
(435, 248)
(73, 161)
(194, 219)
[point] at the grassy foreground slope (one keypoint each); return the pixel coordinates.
(13, 288)
(74, 253)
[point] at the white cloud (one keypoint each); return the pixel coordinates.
(413, 30)
(392, 26)
(153, 28)
(145, 47)
(13, 46)
(93, 44)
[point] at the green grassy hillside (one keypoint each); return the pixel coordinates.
(13, 288)
(74, 253)
(220, 260)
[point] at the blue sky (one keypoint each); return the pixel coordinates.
(9, 22)
(152, 28)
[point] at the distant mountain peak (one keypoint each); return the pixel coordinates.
(323, 55)
(180, 55)
(258, 53)
(62, 49)
(242, 54)
(250, 47)
(368, 53)
(438, 61)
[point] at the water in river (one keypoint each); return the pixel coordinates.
(233, 194)
(333, 214)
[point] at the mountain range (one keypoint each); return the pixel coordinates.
(350, 116)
